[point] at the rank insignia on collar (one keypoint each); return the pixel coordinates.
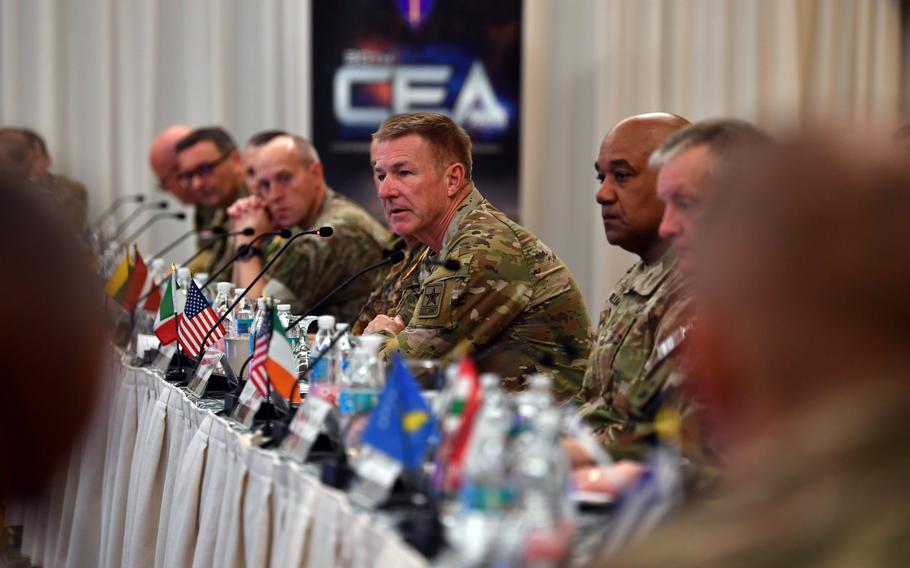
(614, 298)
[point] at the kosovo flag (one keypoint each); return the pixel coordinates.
(401, 425)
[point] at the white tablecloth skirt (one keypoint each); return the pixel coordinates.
(158, 481)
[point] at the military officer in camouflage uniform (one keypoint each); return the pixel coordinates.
(804, 336)
(649, 304)
(290, 192)
(512, 301)
(25, 152)
(209, 165)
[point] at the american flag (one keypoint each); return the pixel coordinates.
(196, 321)
(258, 373)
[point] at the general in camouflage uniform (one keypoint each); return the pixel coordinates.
(314, 265)
(390, 284)
(511, 299)
(646, 317)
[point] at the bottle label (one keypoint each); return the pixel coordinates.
(477, 497)
(243, 325)
(318, 373)
(352, 402)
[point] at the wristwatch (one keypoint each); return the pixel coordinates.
(250, 253)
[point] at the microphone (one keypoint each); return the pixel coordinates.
(217, 231)
(152, 221)
(448, 264)
(321, 232)
(220, 237)
(394, 258)
(244, 250)
(132, 216)
(135, 198)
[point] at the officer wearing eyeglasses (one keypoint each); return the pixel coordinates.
(210, 167)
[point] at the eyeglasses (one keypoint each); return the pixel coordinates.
(185, 179)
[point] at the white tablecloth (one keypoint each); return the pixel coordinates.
(159, 481)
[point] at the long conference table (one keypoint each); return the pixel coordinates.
(158, 480)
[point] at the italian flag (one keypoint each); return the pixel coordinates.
(281, 364)
(166, 322)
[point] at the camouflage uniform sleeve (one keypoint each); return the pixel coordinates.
(475, 303)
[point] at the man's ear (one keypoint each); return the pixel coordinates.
(317, 170)
(454, 177)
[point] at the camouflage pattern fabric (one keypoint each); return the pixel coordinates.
(629, 379)
(828, 489)
(390, 284)
(203, 216)
(70, 196)
(512, 300)
(313, 266)
(220, 250)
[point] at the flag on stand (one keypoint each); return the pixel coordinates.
(401, 424)
(459, 422)
(118, 279)
(136, 282)
(281, 364)
(152, 293)
(194, 323)
(258, 372)
(166, 323)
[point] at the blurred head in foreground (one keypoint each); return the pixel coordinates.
(802, 278)
(52, 339)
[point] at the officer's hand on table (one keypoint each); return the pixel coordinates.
(578, 456)
(383, 323)
(608, 479)
(249, 212)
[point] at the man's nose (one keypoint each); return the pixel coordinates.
(605, 194)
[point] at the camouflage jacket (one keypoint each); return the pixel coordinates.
(219, 251)
(631, 373)
(314, 265)
(829, 489)
(512, 300)
(390, 284)
(70, 196)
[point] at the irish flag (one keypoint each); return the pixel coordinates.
(166, 323)
(281, 364)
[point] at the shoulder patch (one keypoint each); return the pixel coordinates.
(431, 300)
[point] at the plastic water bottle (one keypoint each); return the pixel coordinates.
(183, 284)
(365, 378)
(486, 494)
(222, 303)
(321, 375)
(344, 348)
(243, 314)
(258, 321)
(201, 278)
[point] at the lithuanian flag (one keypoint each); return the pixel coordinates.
(281, 364)
(119, 278)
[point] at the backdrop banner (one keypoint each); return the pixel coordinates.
(372, 59)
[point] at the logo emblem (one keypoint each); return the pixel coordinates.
(415, 12)
(432, 297)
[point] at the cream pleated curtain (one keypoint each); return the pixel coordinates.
(100, 77)
(781, 64)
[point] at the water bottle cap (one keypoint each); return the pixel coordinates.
(260, 302)
(341, 326)
(238, 291)
(224, 287)
(540, 382)
(201, 277)
(489, 381)
(326, 322)
(157, 264)
(371, 343)
(183, 273)
(284, 307)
